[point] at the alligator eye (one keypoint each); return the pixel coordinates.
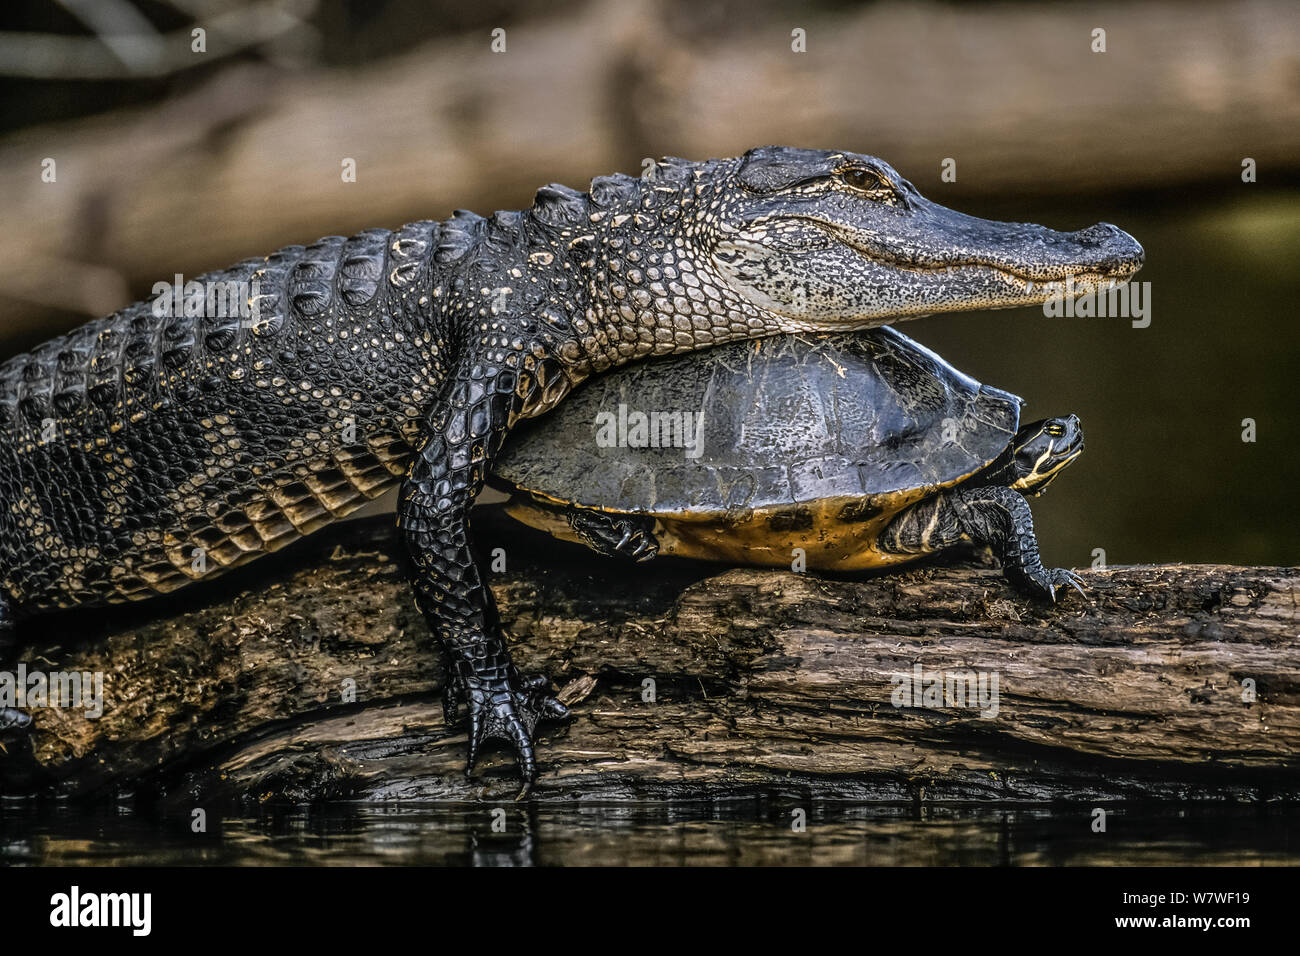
(863, 179)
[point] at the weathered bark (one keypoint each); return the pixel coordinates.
(765, 680)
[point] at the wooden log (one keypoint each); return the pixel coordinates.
(764, 681)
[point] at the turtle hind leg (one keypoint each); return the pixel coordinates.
(614, 535)
(987, 515)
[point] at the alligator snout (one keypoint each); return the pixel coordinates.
(1110, 248)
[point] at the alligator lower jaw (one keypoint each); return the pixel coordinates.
(1007, 291)
(994, 287)
(1054, 283)
(1072, 283)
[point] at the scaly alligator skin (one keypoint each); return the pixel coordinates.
(143, 451)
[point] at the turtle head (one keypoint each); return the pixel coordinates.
(1041, 449)
(833, 240)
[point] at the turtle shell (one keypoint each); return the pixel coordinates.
(781, 421)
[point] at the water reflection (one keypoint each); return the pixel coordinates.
(739, 832)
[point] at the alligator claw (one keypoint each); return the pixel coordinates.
(512, 715)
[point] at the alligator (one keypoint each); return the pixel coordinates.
(176, 439)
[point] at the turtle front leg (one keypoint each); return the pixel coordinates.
(614, 535)
(462, 434)
(986, 515)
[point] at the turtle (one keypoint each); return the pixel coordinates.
(846, 452)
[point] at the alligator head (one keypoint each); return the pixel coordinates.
(825, 240)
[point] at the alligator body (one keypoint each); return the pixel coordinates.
(177, 438)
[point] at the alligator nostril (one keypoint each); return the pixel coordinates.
(1097, 235)
(1117, 246)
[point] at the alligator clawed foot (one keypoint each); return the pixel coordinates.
(453, 699)
(512, 715)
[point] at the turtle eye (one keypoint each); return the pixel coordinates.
(861, 179)
(1054, 430)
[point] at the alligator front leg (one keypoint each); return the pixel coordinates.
(462, 435)
(986, 515)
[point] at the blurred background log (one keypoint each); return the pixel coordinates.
(247, 156)
(764, 681)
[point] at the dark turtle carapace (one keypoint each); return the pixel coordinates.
(860, 450)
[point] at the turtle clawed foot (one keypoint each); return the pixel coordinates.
(1045, 583)
(1061, 578)
(638, 546)
(512, 715)
(627, 536)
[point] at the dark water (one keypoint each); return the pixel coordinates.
(1166, 475)
(741, 832)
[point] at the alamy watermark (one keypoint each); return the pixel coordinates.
(66, 690)
(1128, 300)
(75, 908)
(232, 298)
(630, 428)
(939, 690)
